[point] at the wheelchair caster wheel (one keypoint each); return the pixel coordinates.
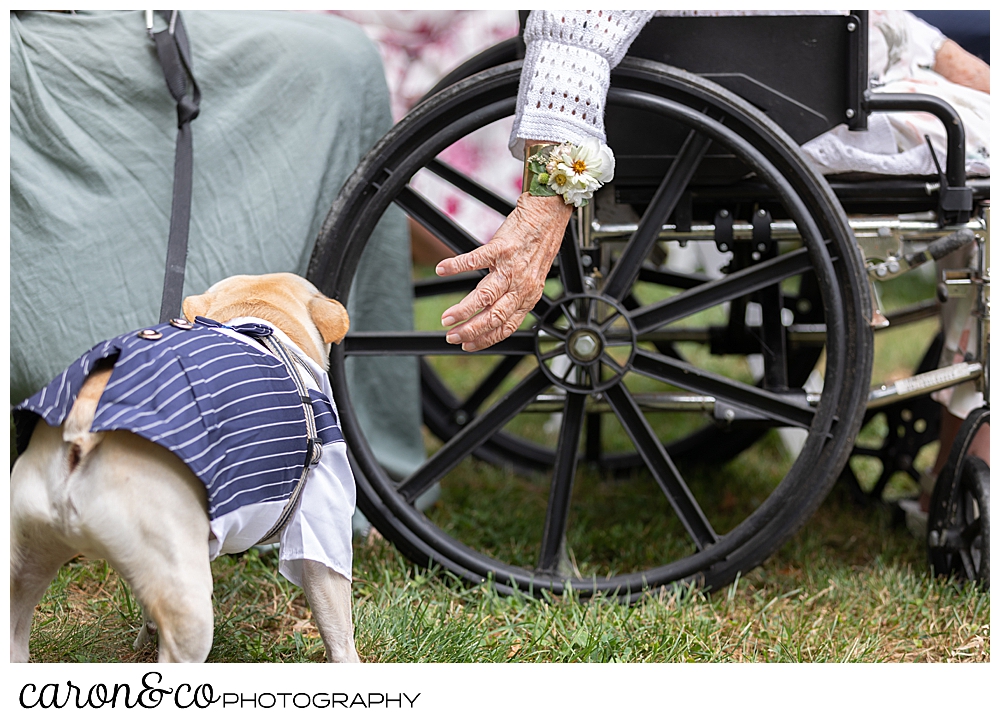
(958, 527)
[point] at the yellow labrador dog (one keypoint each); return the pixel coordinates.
(163, 448)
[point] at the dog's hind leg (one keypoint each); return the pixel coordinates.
(148, 513)
(37, 550)
(179, 619)
(33, 565)
(329, 597)
(147, 633)
(35, 558)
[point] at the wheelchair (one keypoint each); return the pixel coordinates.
(627, 402)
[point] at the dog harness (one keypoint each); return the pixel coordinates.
(232, 412)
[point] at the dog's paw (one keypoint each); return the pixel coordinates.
(147, 635)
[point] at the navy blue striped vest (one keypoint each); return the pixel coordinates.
(227, 408)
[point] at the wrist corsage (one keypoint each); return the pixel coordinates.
(567, 170)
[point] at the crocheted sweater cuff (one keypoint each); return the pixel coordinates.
(566, 72)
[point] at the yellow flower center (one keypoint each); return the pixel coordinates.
(579, 166)
(560, 179)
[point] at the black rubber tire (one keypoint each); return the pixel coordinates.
(830, 253)
(958, 525)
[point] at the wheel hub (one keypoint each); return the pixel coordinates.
(585, 343)
(584, 346)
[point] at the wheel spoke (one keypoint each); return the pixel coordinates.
(664, 347)
(541, 307)
(730, 287)
(421, 211)
(557, 513)
(459, 284)
(848, 477)
(968, 566)
(661, 466)
(611, 362)
(489, 385)
(883, 479)
(472, 435)
(671, 188)
(557, 351)
(554, 333)
(411, 343)
(570, 270)
(672, 279)
(463, 183)
(971, 531)
(457, 239)
(592, 445)
(788, 411)
(867, 452)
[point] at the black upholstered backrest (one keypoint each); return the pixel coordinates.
(807, 72)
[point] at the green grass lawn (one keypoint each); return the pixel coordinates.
(852, 585)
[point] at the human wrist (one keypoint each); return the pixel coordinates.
(546, 217)
(536, 210)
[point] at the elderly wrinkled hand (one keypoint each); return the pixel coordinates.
(518, 258)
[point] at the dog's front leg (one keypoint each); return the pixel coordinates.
(329, 596)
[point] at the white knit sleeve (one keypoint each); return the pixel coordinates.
(567, 68)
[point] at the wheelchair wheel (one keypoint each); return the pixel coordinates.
(595, 361)
(958, 526)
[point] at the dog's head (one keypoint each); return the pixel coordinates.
(291, 303)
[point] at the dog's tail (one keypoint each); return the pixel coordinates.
(76, 427)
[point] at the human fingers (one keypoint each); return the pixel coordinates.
(494, 316)
(498, 334)
(490, 289)
(481, 258)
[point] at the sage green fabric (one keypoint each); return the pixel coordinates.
(290, 104)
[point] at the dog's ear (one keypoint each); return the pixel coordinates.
(196, 306)
(330, 317)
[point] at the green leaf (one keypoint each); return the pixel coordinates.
(536, 166)
(539, 189)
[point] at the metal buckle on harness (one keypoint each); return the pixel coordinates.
(314, 451)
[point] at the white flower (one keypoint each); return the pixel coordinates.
(590, 164)
(559, 180)
(577, 196)
(575, 172)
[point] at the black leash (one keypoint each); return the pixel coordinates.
(174, 52)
